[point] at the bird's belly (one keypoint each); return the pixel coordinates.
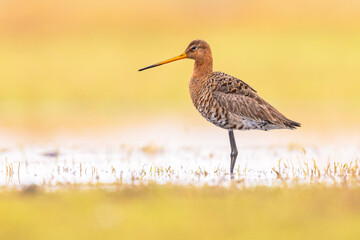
(220, 117)
(217, 115)
(213, 112)
(229, 121)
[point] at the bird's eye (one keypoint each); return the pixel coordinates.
(194, 48)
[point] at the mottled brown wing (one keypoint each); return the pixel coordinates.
(240, 99)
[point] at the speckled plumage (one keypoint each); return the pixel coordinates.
(230, 103)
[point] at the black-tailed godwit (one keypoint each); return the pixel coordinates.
(226, 101)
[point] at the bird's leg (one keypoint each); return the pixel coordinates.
(234, 151)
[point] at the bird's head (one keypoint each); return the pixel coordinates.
(197, 50)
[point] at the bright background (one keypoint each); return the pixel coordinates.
(74, 63)
(71, 65)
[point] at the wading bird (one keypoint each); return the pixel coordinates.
(226, 101)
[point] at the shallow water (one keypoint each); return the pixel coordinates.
(172, 154)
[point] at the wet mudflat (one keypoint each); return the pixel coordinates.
(168, 154)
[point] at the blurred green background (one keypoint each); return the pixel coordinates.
(175, 212)
(76, 61)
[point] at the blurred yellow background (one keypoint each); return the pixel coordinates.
(75, 62)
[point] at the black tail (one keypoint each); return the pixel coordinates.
(292, 124)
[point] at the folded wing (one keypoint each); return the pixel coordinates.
(240, 99)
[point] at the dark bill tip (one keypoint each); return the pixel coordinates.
(151, 66)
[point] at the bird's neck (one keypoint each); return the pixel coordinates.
(203, 67)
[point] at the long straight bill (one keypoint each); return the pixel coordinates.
(181, 56)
